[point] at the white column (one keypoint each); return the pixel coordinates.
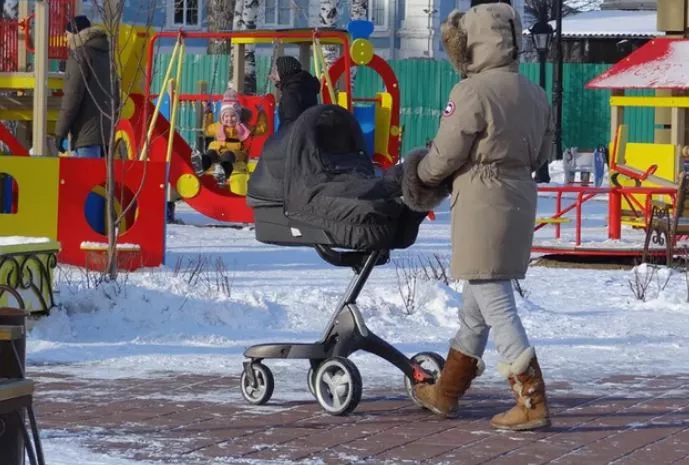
(419, 35)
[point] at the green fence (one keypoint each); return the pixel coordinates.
(425, 85)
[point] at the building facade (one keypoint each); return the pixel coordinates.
(403, 28)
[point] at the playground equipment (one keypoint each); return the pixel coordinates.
(150, 136)
(641, 174)
(586, 164)
(51, 197)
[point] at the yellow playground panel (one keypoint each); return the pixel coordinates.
(37, 188)
(638, 157)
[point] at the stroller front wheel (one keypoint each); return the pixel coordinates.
(338, 385)
(432, 363)
(260, 391)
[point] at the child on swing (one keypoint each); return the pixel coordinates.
(229, 147)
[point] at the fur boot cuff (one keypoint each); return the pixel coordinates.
(416, 195)
(519, 365)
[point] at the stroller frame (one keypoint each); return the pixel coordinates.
(345, 333)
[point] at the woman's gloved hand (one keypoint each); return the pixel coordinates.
(417, 195)
(61, 144)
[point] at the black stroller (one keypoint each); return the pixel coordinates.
(307, 192)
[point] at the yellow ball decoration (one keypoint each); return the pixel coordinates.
(127, 109)
(394, 131)
(188, 186)
(361, 52)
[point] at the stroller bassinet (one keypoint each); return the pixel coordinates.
(304, 195)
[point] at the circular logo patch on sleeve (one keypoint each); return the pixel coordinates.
(449, 109)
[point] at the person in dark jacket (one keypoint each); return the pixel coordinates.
(299, 89)
(86, 105)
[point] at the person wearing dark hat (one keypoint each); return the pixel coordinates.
(85, 110)
(298, 89)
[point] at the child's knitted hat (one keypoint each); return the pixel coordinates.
(230, 102)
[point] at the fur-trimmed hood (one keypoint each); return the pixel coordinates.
(487, 36)
(93, 37)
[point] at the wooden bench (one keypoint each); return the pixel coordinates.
(13, 389)
(669, 222)
(16, 391)
(26, 265)
(11, 333)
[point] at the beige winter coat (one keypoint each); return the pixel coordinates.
(495, 131)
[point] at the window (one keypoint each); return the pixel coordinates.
(278, 13)
(378, 13)
(185, 13)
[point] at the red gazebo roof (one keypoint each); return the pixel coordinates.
(661, 63)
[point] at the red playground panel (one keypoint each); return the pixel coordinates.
(78, 176)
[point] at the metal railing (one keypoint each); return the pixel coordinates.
(615, 195)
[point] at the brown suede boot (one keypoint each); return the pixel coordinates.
(526, 380)
(442, 397)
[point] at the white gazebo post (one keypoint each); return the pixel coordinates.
(40, 93)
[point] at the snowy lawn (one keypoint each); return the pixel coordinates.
(585, 324)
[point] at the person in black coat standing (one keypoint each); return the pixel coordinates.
(298, 89)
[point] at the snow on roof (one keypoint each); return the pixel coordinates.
(610, 24)
(658, 64)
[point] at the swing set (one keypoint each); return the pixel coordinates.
(157, 139)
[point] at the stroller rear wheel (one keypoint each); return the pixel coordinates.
(259, 391)
(433, 363)
(338, 385)
(311, 375)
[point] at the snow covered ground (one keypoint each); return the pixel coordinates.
(585, 324)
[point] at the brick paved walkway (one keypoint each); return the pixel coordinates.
(201, 420)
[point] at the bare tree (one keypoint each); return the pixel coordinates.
(9, 8)
(111, 12)
(220, 18)
(328, 17)
(245, 18)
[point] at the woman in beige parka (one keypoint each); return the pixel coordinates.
(495, 131)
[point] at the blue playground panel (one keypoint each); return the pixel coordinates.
(7, 197)
(94, 210)
(365, 115)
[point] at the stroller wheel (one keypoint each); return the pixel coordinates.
(429, 361)
(338, 385)
(311, 381)
(263, 390)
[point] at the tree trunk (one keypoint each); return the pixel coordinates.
(249, 20)
(112, 16)
(329, 14)
(359, 11)
(9, 8)
(245, 18)
(220, 17)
